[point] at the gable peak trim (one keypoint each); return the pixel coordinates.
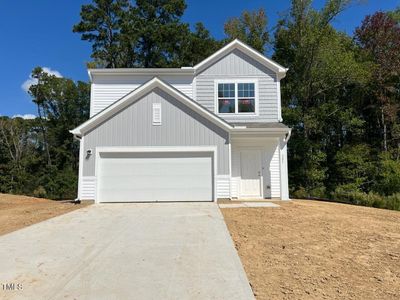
(136, 94)
(237, 44)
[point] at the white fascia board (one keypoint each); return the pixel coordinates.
(139, 92)
(142, 71)
(237, 44)
(252, 131)
(90, 76)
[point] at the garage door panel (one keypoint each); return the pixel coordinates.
(135, 177)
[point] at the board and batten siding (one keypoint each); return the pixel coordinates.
(237, 65)
(180, 126)
(106, 89)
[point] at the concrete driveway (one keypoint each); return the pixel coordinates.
(124, 251)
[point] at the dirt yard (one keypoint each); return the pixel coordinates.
(20, 211)
(318, 250)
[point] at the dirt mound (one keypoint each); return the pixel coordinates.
(20, 211)
(318, 250)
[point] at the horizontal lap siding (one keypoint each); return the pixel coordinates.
(205, 92)
(238, 65)
(180, 127)
(223, 186)
(275, 174)
(88, 189)
(106, 91)
(103, 95)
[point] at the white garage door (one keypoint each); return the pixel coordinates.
(145, 177)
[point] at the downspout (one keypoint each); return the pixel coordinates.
(284, 146)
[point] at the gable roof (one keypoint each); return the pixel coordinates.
(237, 44)
(136, 94)
(141, 71)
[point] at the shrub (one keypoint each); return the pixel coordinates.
(393, 201)
(39, 192)
(344, 195)
(301, 193)
(389, 176)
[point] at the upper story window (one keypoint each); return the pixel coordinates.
(236, 97)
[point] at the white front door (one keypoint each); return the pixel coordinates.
(250, 166)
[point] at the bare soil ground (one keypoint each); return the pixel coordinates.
(20, 211)
(318, 250)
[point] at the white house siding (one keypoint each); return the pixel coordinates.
(180, 126)
(237, 65)
(87, 188)
(271, 165)
(275, 174)
(106, 89)
(223, 186)
(284, 170)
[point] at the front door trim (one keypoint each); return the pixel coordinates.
(259, 171)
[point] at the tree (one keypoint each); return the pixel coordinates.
(197, 46)
(324, 73)
(147, 34)
(353, 167)
(102, 24)
(62, 105)
(395, 14)
(379, 38)
(250, 27)
(161, 32)
(388, 181)
(19, 154)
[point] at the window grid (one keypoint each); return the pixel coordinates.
(244, 91)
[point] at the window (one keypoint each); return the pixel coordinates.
(236, 98)
(246, 98)
(226, 98)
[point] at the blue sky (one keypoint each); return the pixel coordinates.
(38, 33)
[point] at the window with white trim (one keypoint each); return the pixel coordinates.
(236, 98)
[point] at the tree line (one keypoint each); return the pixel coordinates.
(341, 95)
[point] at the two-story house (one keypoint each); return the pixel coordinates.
(186, 134)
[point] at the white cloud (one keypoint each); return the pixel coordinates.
(26, 116)
(30, 81)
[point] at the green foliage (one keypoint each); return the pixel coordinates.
(197, 46)
(367, 199)
(250, 27)
(395, 14)
(39, 157)
(353, 166)
(103, 25)
(323, 71)
(328, 98)
(143, 34)
(389, 176)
